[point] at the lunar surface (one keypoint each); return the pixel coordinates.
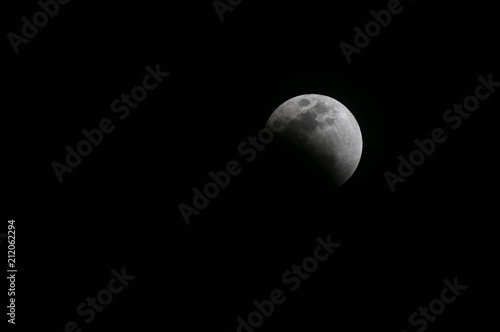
(324, 131)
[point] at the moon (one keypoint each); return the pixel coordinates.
(324, 131)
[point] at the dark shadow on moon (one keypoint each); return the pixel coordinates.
(310, 167)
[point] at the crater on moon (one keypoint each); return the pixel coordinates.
(304, 102)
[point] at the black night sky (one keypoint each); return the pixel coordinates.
(212, 84)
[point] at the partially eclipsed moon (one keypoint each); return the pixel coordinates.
(324, 130)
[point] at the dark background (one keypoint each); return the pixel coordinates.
(119, 208)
